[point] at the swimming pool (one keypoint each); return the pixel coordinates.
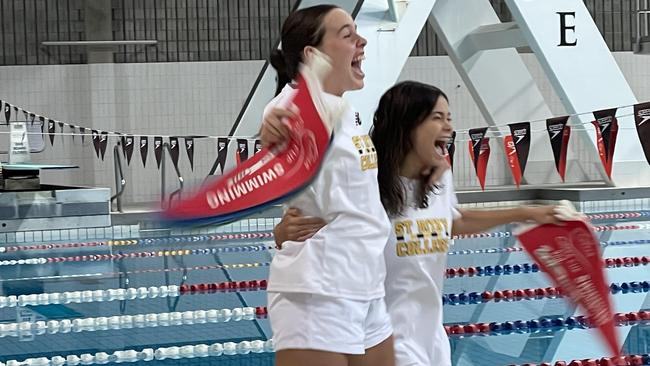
(130, 293)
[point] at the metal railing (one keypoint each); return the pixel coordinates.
(120, 181)
(210, 30)
(642, 37)
(164, 202)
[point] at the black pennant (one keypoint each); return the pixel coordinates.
(42, 119)
(642, 122)
(127, 148)
(258, 146)
(158, 149)
(559, 133)
(451, 148)
(51, 128)
(7, 112)
(222, 152)
(521, 137)
(61, 129)
(174, 150)
(144, 149)
(103, 142)
(82, 131)
(189, 148)
(242, 150)
(96, 142)
(32, 117)
(73, 130)
(608, 126)
(476, 135)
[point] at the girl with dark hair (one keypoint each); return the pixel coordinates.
(326, 294)
(411, 127)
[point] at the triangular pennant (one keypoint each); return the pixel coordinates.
(258, 146)
(274, 174)
(642, 122)
(51, 129)
(26, 115)
(96, 141)
(42, 119)
(174, 150)
(521, 137)
(103, 142)
(570, 254)
(32, 117)
(242, 150)
(82, 131)
(189, 148)
(559, 133)
(144, 149)
(7, 112)
(513, 159)
(73, 131)
(451, 149)
(480, 158)
(61, 129)
(606, 131)
(127, 148)
(222, 152)
(476, 136)
(158, 149)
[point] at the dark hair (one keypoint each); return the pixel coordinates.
(401, 110)
(302, 28)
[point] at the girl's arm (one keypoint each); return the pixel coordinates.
(474, 221)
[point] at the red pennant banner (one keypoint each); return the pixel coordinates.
(242, 151)
(642, 122)
(521, 137)
(513, 159)
(480, 154)
(559, 133)
(272, 175)
(606, 131)
(570, 255)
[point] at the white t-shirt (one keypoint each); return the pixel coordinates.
(416, 258)
(346, 257)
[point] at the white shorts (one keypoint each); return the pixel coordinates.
(308, 321)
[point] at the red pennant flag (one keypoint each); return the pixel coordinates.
(480, 154)
(570, 255)
(274, 173)
(642, 122)
(559, 133)
(606, 131)
(513, 159)
(242, 151)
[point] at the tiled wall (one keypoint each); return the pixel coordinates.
(205, 98)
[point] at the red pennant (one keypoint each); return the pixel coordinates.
(513, 159)
(482, 151)
(570, 255)
(606, 131)
(267, 177)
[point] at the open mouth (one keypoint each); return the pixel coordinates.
(441, 146)
(356, 65)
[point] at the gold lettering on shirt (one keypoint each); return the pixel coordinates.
(366, 149)
(431, 237)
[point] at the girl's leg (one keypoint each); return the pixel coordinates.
(303, 357)
(382, 354)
